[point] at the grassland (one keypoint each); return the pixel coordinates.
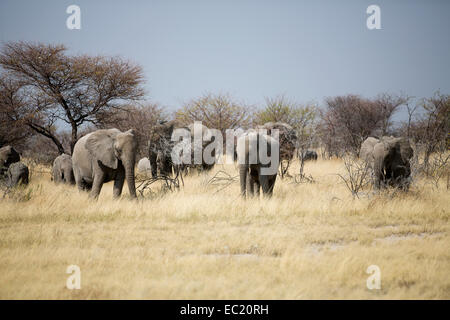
(308, 241)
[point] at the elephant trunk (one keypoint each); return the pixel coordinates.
(129, 175)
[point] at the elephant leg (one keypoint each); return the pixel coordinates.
(257, 187)
(271, 186)
(253, 182)
(97, 184)
(378, 175)
(78, 179)
(250, 186)
(167, 167)
(243, 175)
(118, 182)
(153, 163)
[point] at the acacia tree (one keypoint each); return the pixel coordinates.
(12, 128)
(217, 111)
(55, 86)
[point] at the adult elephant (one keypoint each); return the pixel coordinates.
(8, 155)
(160, 147)
(390, 159)
(261, 174)
(287, 139)
(62, 170)
(102, 156)
(17, 174)
(183, 161)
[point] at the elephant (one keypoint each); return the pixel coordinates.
(181, 163)
(287, 139)
(144, 166)
(309, 155)
(105, 155)
(251, 167)
(390, 160)
(366, 151)
(8, 155)
(62, 170)
(160, 147)
(17, 174)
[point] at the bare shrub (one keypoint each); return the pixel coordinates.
(168, 184)
(357, 176)
(222, 180)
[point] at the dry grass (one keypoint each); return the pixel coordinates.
(308, 241)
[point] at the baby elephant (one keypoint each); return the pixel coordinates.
(17, 174)
(62, 170)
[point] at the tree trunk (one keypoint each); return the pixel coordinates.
(74, 138)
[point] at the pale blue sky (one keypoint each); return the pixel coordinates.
(307, 50)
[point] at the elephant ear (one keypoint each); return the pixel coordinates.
(100, 145)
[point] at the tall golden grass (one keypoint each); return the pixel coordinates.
(307, 241)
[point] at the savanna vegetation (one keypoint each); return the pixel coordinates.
(315, 238)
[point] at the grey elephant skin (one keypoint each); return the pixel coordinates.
(251, 178)
(62, 170)
(8, 155)
(389, 157)
(102, 156)
(160, 148)
(183, 162)
(17, 174)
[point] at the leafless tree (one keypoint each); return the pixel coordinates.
(349, 120)
(357, 175)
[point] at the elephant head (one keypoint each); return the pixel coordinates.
(8, 155)
(160, 147)
(112, 148)
(392, 161)
(366, 152)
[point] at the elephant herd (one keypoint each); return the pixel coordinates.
(110, 155)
